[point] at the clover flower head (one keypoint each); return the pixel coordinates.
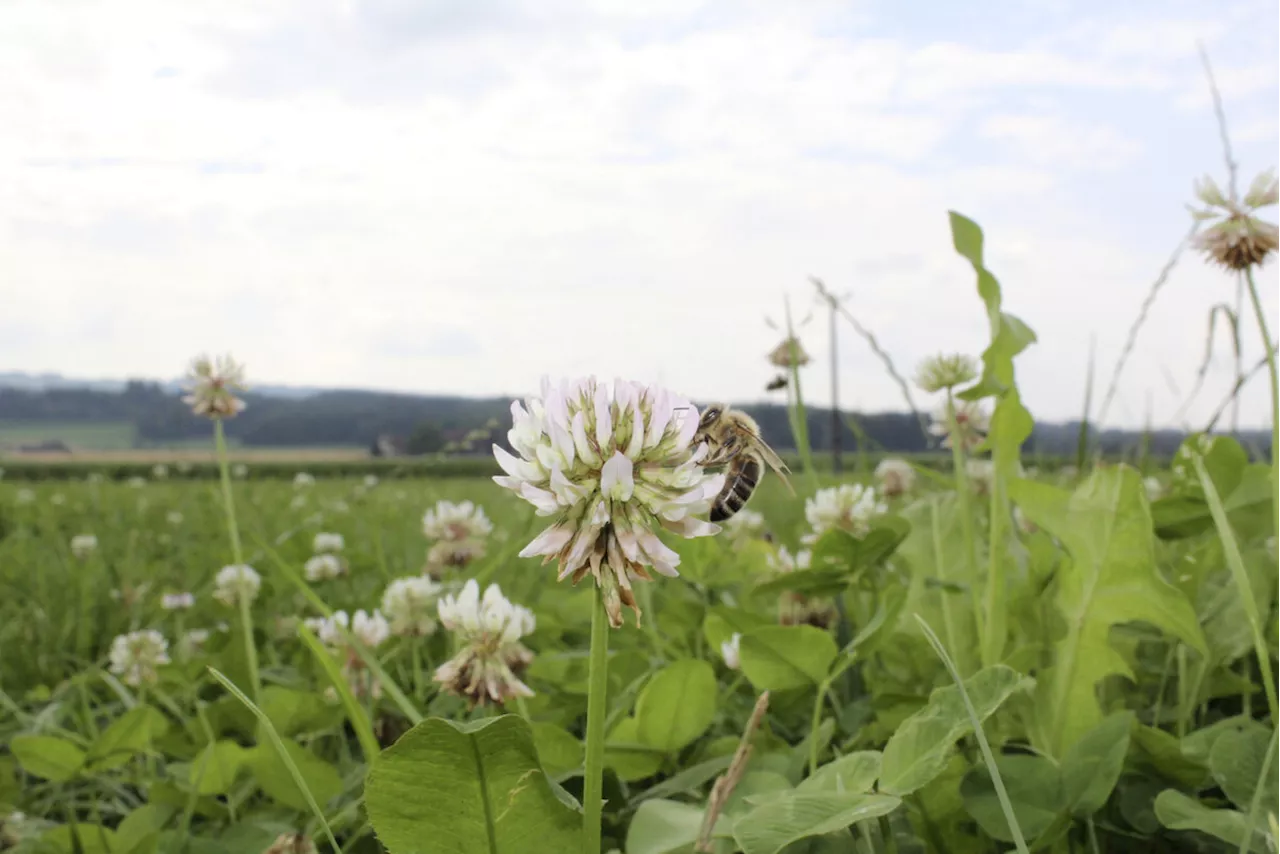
(240, 470)
(327, 542)
(24, 496)
(788, 352)
(136, 482)
(159, 471)
(490, 656)
(454, 554)
(370, 628)
(234, 582)
(972, 423)
(449, 522)
(191, 642)
(849, 507)
(1153, 487)
(782, 560)
(211, 385)
(610, 466)
(134, 657)
(177, 601)
(410, 605)
(173, 517)
(945, 370)
(1236, 238)
(322, 567)
(83, 545)
(730, 651)
(302, 480)
(895, 476)
(370, 481)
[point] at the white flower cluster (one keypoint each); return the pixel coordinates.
(323, 567)
(370, 629)
(327, 542)
(849, 506)
(743, 526)
(490, 656)
(302, 480)
(459, 532)
(611, 466)
(410, 605)
(134, 657)
(83, 545)
(177, 601)
(211, 385)
(895, 476)
(972, 423)
(234, 582)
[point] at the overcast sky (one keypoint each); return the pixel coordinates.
(462, 196)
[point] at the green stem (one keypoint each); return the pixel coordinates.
(966, 518)
(800, 421)
(237, 554)
(886, 835)
(816, 721)
(948, 624)
(597, 707)
(993, 636)
(1275, 401)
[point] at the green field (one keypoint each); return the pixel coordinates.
(107, 436)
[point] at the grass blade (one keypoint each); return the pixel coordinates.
(278, 744)
(990, 760)
(355, 712)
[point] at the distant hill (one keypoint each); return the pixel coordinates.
(47, 407)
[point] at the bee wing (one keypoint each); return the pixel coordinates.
(775, 462)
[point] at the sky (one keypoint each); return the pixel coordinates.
(460, 197)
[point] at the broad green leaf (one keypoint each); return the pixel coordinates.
(1186, 514)
(627, 755)
(667, 827)
(1091, 766)
(917, 752)
(677, 705)
(1176, 811)
(292, 712)
(47, 756)
(839, 557)
(1034, 786)
(277, 782)
(1009, 335)
(689, 778)
(559, 751)
(775, 658)
(721, 624)
(127, 736)
(795, 816)
(1110, 579)
(853, 772)
(446, 787)
(756, 788)
(939, 590)
(1163, 753)
(1236, 763)
(214, 769)
(140, 829)
(1196, 746)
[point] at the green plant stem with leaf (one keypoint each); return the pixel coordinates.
(237, 554)
(1275, 402)
(963, 508)
(597, 709)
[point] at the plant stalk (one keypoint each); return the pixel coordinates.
(597, 709)
(1275, 403)
(966, 519)
(237, 554)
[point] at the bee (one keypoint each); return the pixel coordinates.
(780, 381)
(733, 440)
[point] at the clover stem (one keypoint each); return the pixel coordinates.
(597, 709)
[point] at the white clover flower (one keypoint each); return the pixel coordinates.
(972, 423)
(370, 481)
(329, 629)
(298, 502)
(327, 542)
(173, 517)
(177, 601)
(729, 650)
(490, 656)
(136, 482)
(1237, 239)
(159, 471)
(191, 642)
(240, 470)
(135, 656)
(24, 496)
(57, 499)
(302, 480)
(211, 386)
(234, 582)
(849, 506)
(610, 468)
(1153, 488)
(410, 605)
(744, 525)
(896, 477)
(945, 371)
(371, 629)
(83, 545)
(981, 474)
(783, 561)
(456, 522)
(452, 553)
(322, 567)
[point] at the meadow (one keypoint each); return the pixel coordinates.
(968, 656)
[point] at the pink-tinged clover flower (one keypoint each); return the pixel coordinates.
(611, 466)
(211, 386)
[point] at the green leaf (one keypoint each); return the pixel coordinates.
(666, 827)
(690, 778)
(355, 712)
(1009, 335)
(214, 769)
(275, 779)
(1110, 578)
(47, 756)
(721, 624)
(917, 752)
(775, 658)
(446, 787)
(839, 557)
(1176, 811)
(796, 815)
(141, 828)
(627, 756)
(292, 712)
(1034, 786)
(127, 736)
(677, 705)
(1162, 752)
(1091, 767)
(853, 772)
(559, 751)
(93, 839)
(1236, 762)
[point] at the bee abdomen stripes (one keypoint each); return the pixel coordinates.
(737, 490)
